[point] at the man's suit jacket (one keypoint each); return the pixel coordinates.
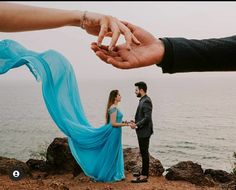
(191, 55)
(143, 117)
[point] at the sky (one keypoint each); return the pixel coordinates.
(192, 20)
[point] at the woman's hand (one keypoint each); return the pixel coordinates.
(125, 123)
(105, 25)
(17, 18)
(132, 124)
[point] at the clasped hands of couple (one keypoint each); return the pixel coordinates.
(131, 124)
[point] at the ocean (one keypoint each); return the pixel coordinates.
(194, 116)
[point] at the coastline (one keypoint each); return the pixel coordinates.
(62, 172)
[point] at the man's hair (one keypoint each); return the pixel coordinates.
(141, 85)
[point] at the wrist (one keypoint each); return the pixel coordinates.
(167, 61)
(77, 18)
(160, 51)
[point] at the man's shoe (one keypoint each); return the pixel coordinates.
(136, 174)
(138, 180)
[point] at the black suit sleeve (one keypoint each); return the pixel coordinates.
(147, 111)
(184, 55)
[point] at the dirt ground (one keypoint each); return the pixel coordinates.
(68, 182)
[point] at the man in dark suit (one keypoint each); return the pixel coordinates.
(144, 129)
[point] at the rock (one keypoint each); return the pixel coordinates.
(59, 158)
(229, 186)
(220, 176)
(188, 171)
(7, 164)
(226, 180)
(38, 165)
(133, 162)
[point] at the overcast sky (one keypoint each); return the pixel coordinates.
(196, 20)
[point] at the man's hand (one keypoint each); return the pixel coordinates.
(149, 52)
(133, 125)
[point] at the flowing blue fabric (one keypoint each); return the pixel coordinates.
(98, 150)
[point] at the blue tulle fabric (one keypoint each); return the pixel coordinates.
(98, 150)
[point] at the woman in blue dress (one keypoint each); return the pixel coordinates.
(114, 117)
(98, 150)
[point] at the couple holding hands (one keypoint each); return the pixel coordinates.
(143, 124)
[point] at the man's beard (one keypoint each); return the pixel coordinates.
(138, 95)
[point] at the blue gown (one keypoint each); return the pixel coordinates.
(98, 150)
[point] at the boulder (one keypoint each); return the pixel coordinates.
(133, 162)
(228, 186)
(188, 171)
(220, 176)
(8, 164)
(225, 180)
(37, 165)
(59, 158)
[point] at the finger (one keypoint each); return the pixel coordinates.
(108, 59)
(95, 48)
(94, 44)
(102, 56)
(129, 37)
(109, 34)
(119, 64)
(115, 36)
(119, 59)
(132, 27)
(105, 47)
(102, 33)
(135, 40)
(127, 34)
(109, 53)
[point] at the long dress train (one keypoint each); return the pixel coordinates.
(98, 150)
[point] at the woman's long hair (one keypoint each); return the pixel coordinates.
(112, 96)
